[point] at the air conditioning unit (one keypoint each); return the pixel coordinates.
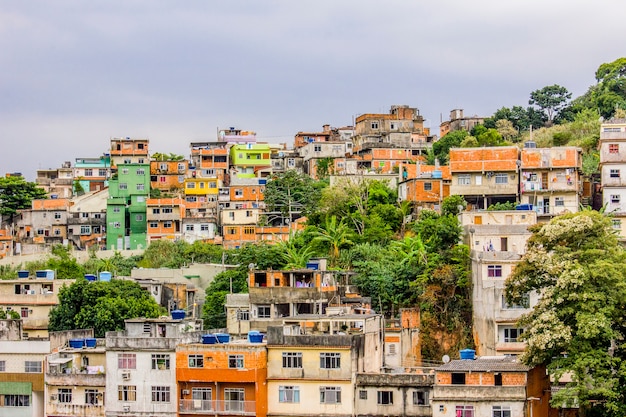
(185, 392)
(126, 408)
(125, 375)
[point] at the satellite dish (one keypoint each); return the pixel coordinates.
(445, 359)
(251, 266)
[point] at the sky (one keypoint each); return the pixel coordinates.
(75, 73)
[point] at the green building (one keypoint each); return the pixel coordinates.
(126, 207)
(248, 158)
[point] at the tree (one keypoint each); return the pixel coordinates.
(292, 194)
(441, 148)
(17, 194)
(335, 234)
(550, 100)
(578, 326)
(506, 129)
(102, 306)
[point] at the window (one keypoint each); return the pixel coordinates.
(362, 395)
(263, 312)
(125, 170)
(464, 411)
(123, 186)
(494, 271)
(233, 399)
(288, 394)
(235, 361)
(167, 210)
(374, 125)
(57, 232)
(127, 361)
(204, 227)
(464, 179)
(512, 335)
(420, 398)
(64, 395)
(238, 192)
(156, 211)
(330, 395)
(393, 126)
(613, 148)
(384, 397)
(189, 227)
(3, 366)
(502, 178)
(85, 230)
(102, 172)
(116, 209)
(88, 172)
(141, 171)
(243, 315)
(57, 215)
(559, 202)
(160, 361)
(24, 312)
(615, 198)
(458, 378)
(127, 393)
(330, 360)
(614, 173)
(191, 185)
(317, 148)
(501, 411)
(40, 231)
(525, 303)
(428, 186)
(291, 162)
(292, 359)
(231, 215)
(141, 187)
(32, 366)
(196, 361)
(167, 225)
(617, 224)
(14, 400)
(160, 394)
(139, 217)
(154, 225)
(91, 396)
(231, 230)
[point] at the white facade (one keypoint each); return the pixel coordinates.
(613, 172)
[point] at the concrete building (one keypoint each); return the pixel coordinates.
(92, 174)
(490, 386)
(140, 364)
(485, 176)
(612, 165)
(129, 151)
(312, 360)
(497, 241)
(32, 298)
(424, 185)
(86, 219)
(58, 183)
(75, 379)
(209, 160)
(459, 122)
(250, 160)
(393, 394)
(44, 225)
(222, 378)
(164, 217)
(168, 175)
(550, 179)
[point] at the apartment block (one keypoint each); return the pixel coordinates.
(167, 175)
(250, 160)
(485, 176)
(58, 183)
(45, 224)
(397, 394)
(612, 165)
(128, 151)
(551, 180)
(86, 220)
(458, 121)
(165, 218)
(424, 185)
(92, 174)
(209, 159)
(222, 378)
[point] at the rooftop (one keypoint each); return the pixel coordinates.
(485, 364)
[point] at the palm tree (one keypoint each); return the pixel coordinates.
(411, 249)
(295, 257)
(335, 234)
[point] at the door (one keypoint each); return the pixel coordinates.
(504, 244)
(233, 399)
(546, 206)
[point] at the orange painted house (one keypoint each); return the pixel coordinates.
(167, 175)
(209, 159)
(164, 217)
(425, 185)
(6, 243)
(222, 379)
(129, 151)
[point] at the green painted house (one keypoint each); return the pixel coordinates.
(248, 158)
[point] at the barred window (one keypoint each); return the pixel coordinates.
(292, 359)
(126, 361)
(127, 393)
(32, 366)
(64, 395)
(160, 394)
(330, 360)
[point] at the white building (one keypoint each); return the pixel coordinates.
(613, 171)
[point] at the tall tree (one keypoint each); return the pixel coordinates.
(292, 194)
(335, 234)
(16, 194)
(578, 327)
(550, 99)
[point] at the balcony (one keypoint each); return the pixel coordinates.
(82, 379)
(484, 392)
(221, 407)
(87, 410)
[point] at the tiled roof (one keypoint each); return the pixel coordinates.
(485, 364)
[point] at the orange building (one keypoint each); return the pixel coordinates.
(209, 159)
(164, 217)
(128, 151)
(167, 175)
(222, 378)
(303, 138)
(425, 185)
(6, 243)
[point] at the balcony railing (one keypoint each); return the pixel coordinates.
(218, 407)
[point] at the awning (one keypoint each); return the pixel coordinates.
(59, 360)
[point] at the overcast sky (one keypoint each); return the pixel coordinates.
(73, 74)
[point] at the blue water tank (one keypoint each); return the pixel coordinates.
(222, 337)
(437, 174)
(23, 274)
(178, 314)
(524, 207)
(255, 337)
(105, 276)
(90, 342)
(45, 273)
(90, 277)
(468, 354)
(209, 339)
(77, 343)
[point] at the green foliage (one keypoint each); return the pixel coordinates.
(577, 265)
(509, 205)
(487, 136)
(213, 310)
(16, 193)
(335, 235)
(324, 167)
(78, 187)
(102, 306)
(470, 142)
(292, 192)
(591, 163)
(164, 253)
(550, 100)
(453, 204)
(561, 138)
(167, 157)
(521, 118)
(441, 148)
